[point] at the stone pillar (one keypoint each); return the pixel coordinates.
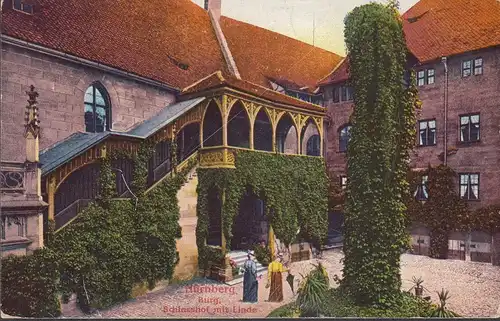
(495, 249)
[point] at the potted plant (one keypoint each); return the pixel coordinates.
(262, 253)
(419, 289)
(234, 267)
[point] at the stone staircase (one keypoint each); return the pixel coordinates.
(186, 246)
(240, 257)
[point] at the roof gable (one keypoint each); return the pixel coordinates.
(217, 80)
(261, 54)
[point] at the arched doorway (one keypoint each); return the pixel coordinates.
(286, 135)
(212, 126)
(310, 139)
(263, 132)
(188, 141)
(250, 225)
(238, 127)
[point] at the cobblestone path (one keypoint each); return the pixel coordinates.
(474, 290)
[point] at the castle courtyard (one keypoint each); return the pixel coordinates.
(474, 291)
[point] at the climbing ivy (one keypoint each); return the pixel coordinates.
(378, 154)
(444, 211)
(114, 245)
(111, 246)
(294, 189)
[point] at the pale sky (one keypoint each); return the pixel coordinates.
(294, 18)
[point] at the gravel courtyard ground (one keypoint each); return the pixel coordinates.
(474, 290)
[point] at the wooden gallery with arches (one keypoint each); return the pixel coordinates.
(259, 176)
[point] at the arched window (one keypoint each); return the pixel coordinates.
(97, 109)
(344, 136)
(313, 145)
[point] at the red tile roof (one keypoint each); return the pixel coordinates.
(148, 38)
(217, 80)
(443, 28)
(450, 27)
(261, 55)
(339, 74)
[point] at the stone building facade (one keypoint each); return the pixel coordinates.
(459, 123)
(61, 85)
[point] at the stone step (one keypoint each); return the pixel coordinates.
(262, 271)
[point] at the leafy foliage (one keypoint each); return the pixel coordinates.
(312, 292)
(30, 285)
(262, 254)
(299, 199)
(382, 137)
(111, 246)
(441, 311)
(337, 304)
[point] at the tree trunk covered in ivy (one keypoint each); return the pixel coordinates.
(378, 154)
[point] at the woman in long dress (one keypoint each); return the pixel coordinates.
(250, 284)
(275, 279)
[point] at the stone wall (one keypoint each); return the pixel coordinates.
(471, 94)
(61, 86)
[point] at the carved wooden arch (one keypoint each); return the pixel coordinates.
(274, 116)
(184, 125)
(205, 108)
(279, 116)
(88, 157)
(231, 102)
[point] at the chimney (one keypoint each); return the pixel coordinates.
(215, 7)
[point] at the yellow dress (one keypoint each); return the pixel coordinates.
(274, 277)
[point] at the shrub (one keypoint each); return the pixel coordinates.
(287, 311)
(262, 254)
(312, 292)
(29, 285)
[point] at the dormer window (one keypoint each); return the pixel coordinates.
(21, 6)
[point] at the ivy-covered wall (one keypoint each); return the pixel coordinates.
(111, 246)
(444, 211)
(294, 189)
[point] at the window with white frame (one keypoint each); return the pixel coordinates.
(427, 132)
(343, 182)
(469, 186)
(421, 193)
(472, 67)
(469, 128)
(426, 77)
(344, 137)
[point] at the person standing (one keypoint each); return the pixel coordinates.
(275, 279)
(250, 283)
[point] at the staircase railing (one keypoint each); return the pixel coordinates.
(71, 212)
(179, 168)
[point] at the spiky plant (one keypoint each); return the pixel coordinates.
(441, 311)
